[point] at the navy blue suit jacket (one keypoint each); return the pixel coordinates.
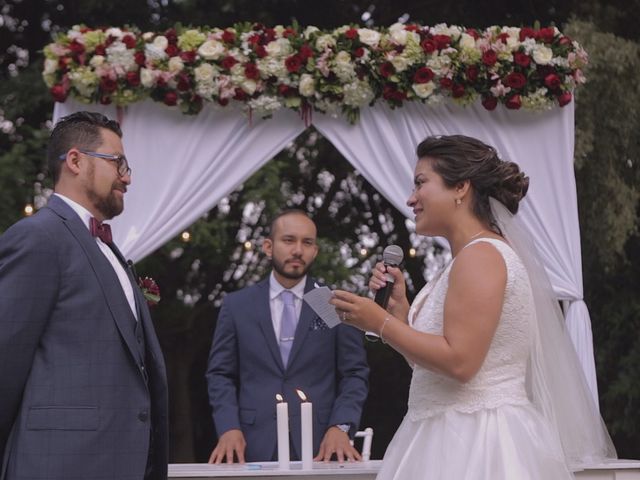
(79, 397)
(245, 373)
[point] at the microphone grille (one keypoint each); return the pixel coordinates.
(392, 255)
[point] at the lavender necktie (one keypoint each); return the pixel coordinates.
(287, 326)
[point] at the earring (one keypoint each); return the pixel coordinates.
(458, 201)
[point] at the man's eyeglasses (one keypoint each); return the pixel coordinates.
(121, 161)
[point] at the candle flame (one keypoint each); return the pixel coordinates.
(301, 394)
(279, 397)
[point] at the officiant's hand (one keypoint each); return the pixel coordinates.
(230, 442)
(336, 442)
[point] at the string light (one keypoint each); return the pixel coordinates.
(185, 236)
(363, 252)
(28, 209)
(412, 252)
(248, 245)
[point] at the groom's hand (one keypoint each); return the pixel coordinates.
(336, 442)
(230, 442)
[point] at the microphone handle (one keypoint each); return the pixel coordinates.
(382, 295)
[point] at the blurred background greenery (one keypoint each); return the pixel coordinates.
(354, 221)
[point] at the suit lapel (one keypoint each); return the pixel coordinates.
(307, 315)
(264, 320)
(106, 276)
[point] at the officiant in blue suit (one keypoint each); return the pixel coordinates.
(268, 341)
(83, 390)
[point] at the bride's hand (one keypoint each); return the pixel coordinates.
(378, 280)
(361, 312)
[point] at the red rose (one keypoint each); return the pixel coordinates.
(170, 98)
(108, 85)
(547, 34)
(423, 75)
(254, 39)
(306, 52)
(59, 93)
(513, 102)
(564, 41)
(240, 95)
(359, 52)
(490, 102)
(351, 34)
(284, 90)
(503, 37)
(269, 35)
(442, 41)
(412, 28)
(289, 32)
(129, 41)
(564, 98)
(188, 57)
(172, 50)
(251, 71)
(387, 91)
(184, 83)
(515, 80)
(489, 58)
(457, 90)
(428, 45)
(527, 32)
(63, 63)
(223, 101)
(172, 36)
(139, 58)
(473, 32)
(105, 100)
(228, 36)
(446, 83)
(386, 69)
(552, 81)
(261, 52)
(228, 62)
(76, 47)
(133, 79)
(293, 63)
(100, 50)
(472, 73)
(521, 59)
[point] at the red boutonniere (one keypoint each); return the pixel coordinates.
(150, 290)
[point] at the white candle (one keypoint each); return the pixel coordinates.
(282, 420)
(306, 420)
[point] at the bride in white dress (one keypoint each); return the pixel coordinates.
(497, 391)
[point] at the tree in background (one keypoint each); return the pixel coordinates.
(311, 174)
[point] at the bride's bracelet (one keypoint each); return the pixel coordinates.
(384, 324)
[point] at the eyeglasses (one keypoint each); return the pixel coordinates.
(121, 161)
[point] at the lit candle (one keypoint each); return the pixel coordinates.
(282, 420)
(306, 421)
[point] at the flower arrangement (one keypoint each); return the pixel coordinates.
(150, 290)
(265, 69)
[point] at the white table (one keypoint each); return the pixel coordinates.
(618, 470)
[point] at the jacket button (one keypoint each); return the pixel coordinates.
(143, 416)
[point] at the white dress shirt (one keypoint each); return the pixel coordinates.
(277, 305)
(85, 216)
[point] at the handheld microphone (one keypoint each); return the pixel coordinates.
(391, 256)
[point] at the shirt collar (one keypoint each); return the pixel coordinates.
(275, 288)
(84, 214)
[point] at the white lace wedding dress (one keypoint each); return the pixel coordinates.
(485, 429)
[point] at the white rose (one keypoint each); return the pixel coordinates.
(398, 33)
(211, 50)
(154, 53)
(249, 86)
(147, 77)
(161, 42)
(203, 73)
(278, 48)
(114, 32)
(50, 66)
(96, 61)
(400, 63)
(325, 41)
(310, 30)
(423, 90)
(307, 85)
(369, 37)
(467, 41)
(542, 55)
(146, 36)
(343, 58)
(175, 64)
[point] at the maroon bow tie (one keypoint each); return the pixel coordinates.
(100, 230)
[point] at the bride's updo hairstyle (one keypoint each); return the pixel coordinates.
(457, 158)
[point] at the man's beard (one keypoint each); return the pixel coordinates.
(110, 206)
(296, 275)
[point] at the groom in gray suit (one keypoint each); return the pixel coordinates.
(267, 342)
(83, 390)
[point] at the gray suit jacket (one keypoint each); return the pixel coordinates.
(80, 395)
(246, 372)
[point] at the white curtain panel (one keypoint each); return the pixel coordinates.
(184, 165)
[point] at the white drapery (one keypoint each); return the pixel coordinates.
(184, 165)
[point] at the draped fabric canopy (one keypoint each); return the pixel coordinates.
(184, 165)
